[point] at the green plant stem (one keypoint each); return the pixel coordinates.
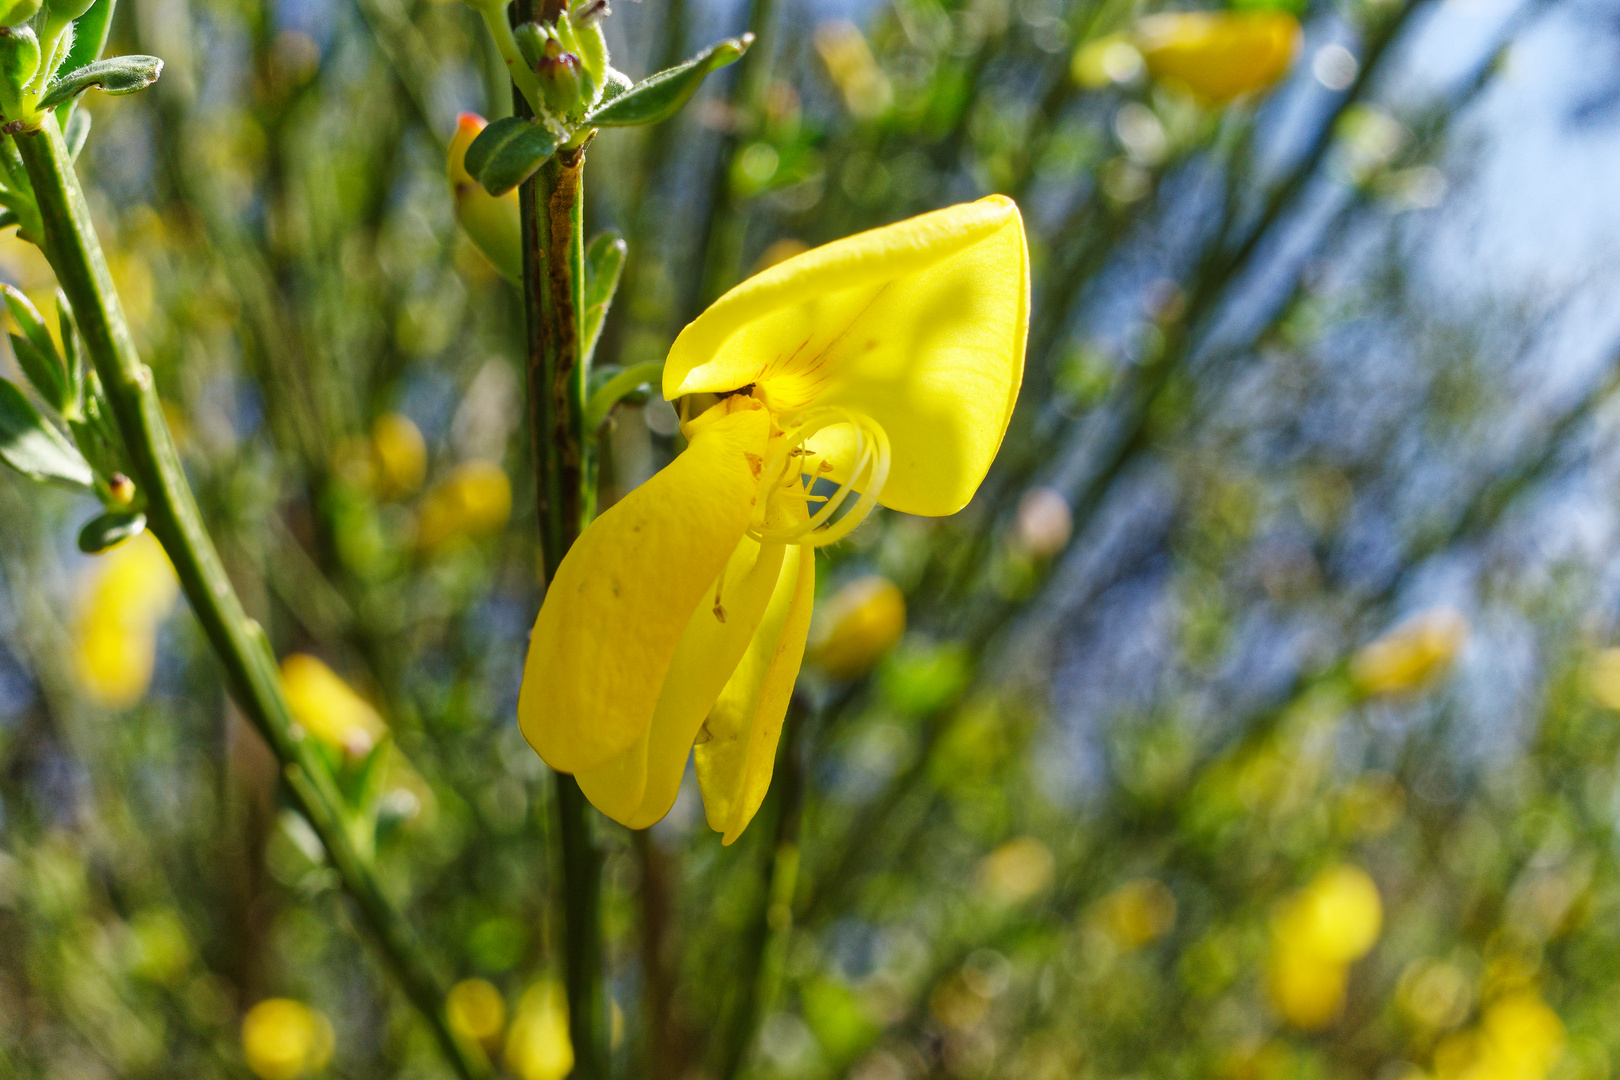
(611, 392)
(764, 945)
(75, 254)
(551, 209)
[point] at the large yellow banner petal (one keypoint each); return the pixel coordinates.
(918, 325)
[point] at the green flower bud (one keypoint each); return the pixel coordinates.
(531, 42)
(561, 80)
(592, 46)
(17, 11)
(65, 11)
(19, 57)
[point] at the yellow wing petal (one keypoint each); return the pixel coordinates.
(919, 325)
(638, 787)
(734, 766)
(625, 592)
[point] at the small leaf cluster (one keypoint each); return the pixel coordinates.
(563, 71)
(49, 56)
(71, 442)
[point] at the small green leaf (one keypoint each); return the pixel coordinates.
(657, 97)
(604, 262)
(507, 152)
(73, 359)
(89, 38)
(35, 448)
(110, 529)
(45, 372)
(76, 132)
(115, 75)
(36, 352)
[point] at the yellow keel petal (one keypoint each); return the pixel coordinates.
(621, 601)
(638, 787)
(734, 766)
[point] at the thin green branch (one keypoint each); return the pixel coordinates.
(615, 389)
(75, 254)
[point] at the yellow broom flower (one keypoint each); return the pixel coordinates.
(887, 363)
(118, 617)
(1219, 56)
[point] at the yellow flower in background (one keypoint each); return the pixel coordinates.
(886, 363)
(537, 1045)
(131, 589)
(476, 1010)
(490, 222)
(1219, 56)
(474, 501)
(1317, 934)
(326, 707)
(1412, 654)
(398, 455)
(1518, 1038)
(1136, 913)
(857, 627)
(284, 1039)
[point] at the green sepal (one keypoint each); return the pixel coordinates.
(508, 151)
(604, 263)
(110, 529)
(66, 11)
(659, 96)
(76, 131)
(36, 449)
(89, 38)
(115, 75)
(36, 352)
(19, 55)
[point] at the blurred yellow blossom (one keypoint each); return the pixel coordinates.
(1518, 1038)
(1318, 932)
(326, 707)
(1100, 61)
(1016, 871)
(1219, 56)
(843, 48)
(1434, 994)
(130, 590)
(284, 1039)
(1136, 913)
(398, 454)
(1410, 655)
(537, 1045)
(475, 500)
(476, 1010)
(857, 627)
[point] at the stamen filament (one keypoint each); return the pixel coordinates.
(869, 473)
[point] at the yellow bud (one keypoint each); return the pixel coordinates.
(285, 1040)
(1523, 1035)
(1317, 933)
(120, 489)
(1411, 654)
(857, 627)
(1219, 56)
(399, 455)
(474, 500)
(130, 591)
(327, 708)
(476, 1010)
(537, 1044)
(490, 222)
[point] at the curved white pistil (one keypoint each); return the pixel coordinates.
(869, 473)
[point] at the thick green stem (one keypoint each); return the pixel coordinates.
(75, 254)
(552, 215)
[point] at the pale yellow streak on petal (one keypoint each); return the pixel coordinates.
(625, 592)
(638, 787)
(919, 325)
(734, 767)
